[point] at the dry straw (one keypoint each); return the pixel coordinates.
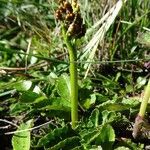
(102, 26)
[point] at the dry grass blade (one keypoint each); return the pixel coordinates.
(106, 21)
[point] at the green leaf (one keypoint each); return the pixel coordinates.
(87, 103)
(54, 107)
(30, 97)
(63, 87)
(55, 136)
(57, 104)
(100, 98)
(108, 117)
(79, 148)
(89, 135)
(128, 144)
(129, 88)
(67, 144)
(140, 82)
(17, 108)
(132, 101)
(94, 118)
(144, 38)
(101, 136)
(106, 137)
(111, 106)
(21, 140)
(1, 109)
(23, 85)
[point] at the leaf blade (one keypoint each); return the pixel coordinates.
(21, 140)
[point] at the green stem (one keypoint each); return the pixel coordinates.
(145, 100)
(73, 78)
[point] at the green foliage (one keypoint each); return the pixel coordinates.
(64, 138)
(106, 137)
(22, 140)
(34, 77)
(53, 136)
(63, 87)
(144, 38)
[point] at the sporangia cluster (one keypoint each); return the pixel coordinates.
(71, 17)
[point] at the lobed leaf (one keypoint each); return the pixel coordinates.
(67, 144)
(55, 136)
(111, 106)
(106, 137)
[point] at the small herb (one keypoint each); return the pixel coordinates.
(72, 28)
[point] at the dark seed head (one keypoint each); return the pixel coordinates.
(61, 1)
(72, 20)
(79, 19)
(68, 7)
(69, 17)
(71, 29)
(66, 4)
(58, 15)
(62, 9)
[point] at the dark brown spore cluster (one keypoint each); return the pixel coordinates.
(72, 19)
